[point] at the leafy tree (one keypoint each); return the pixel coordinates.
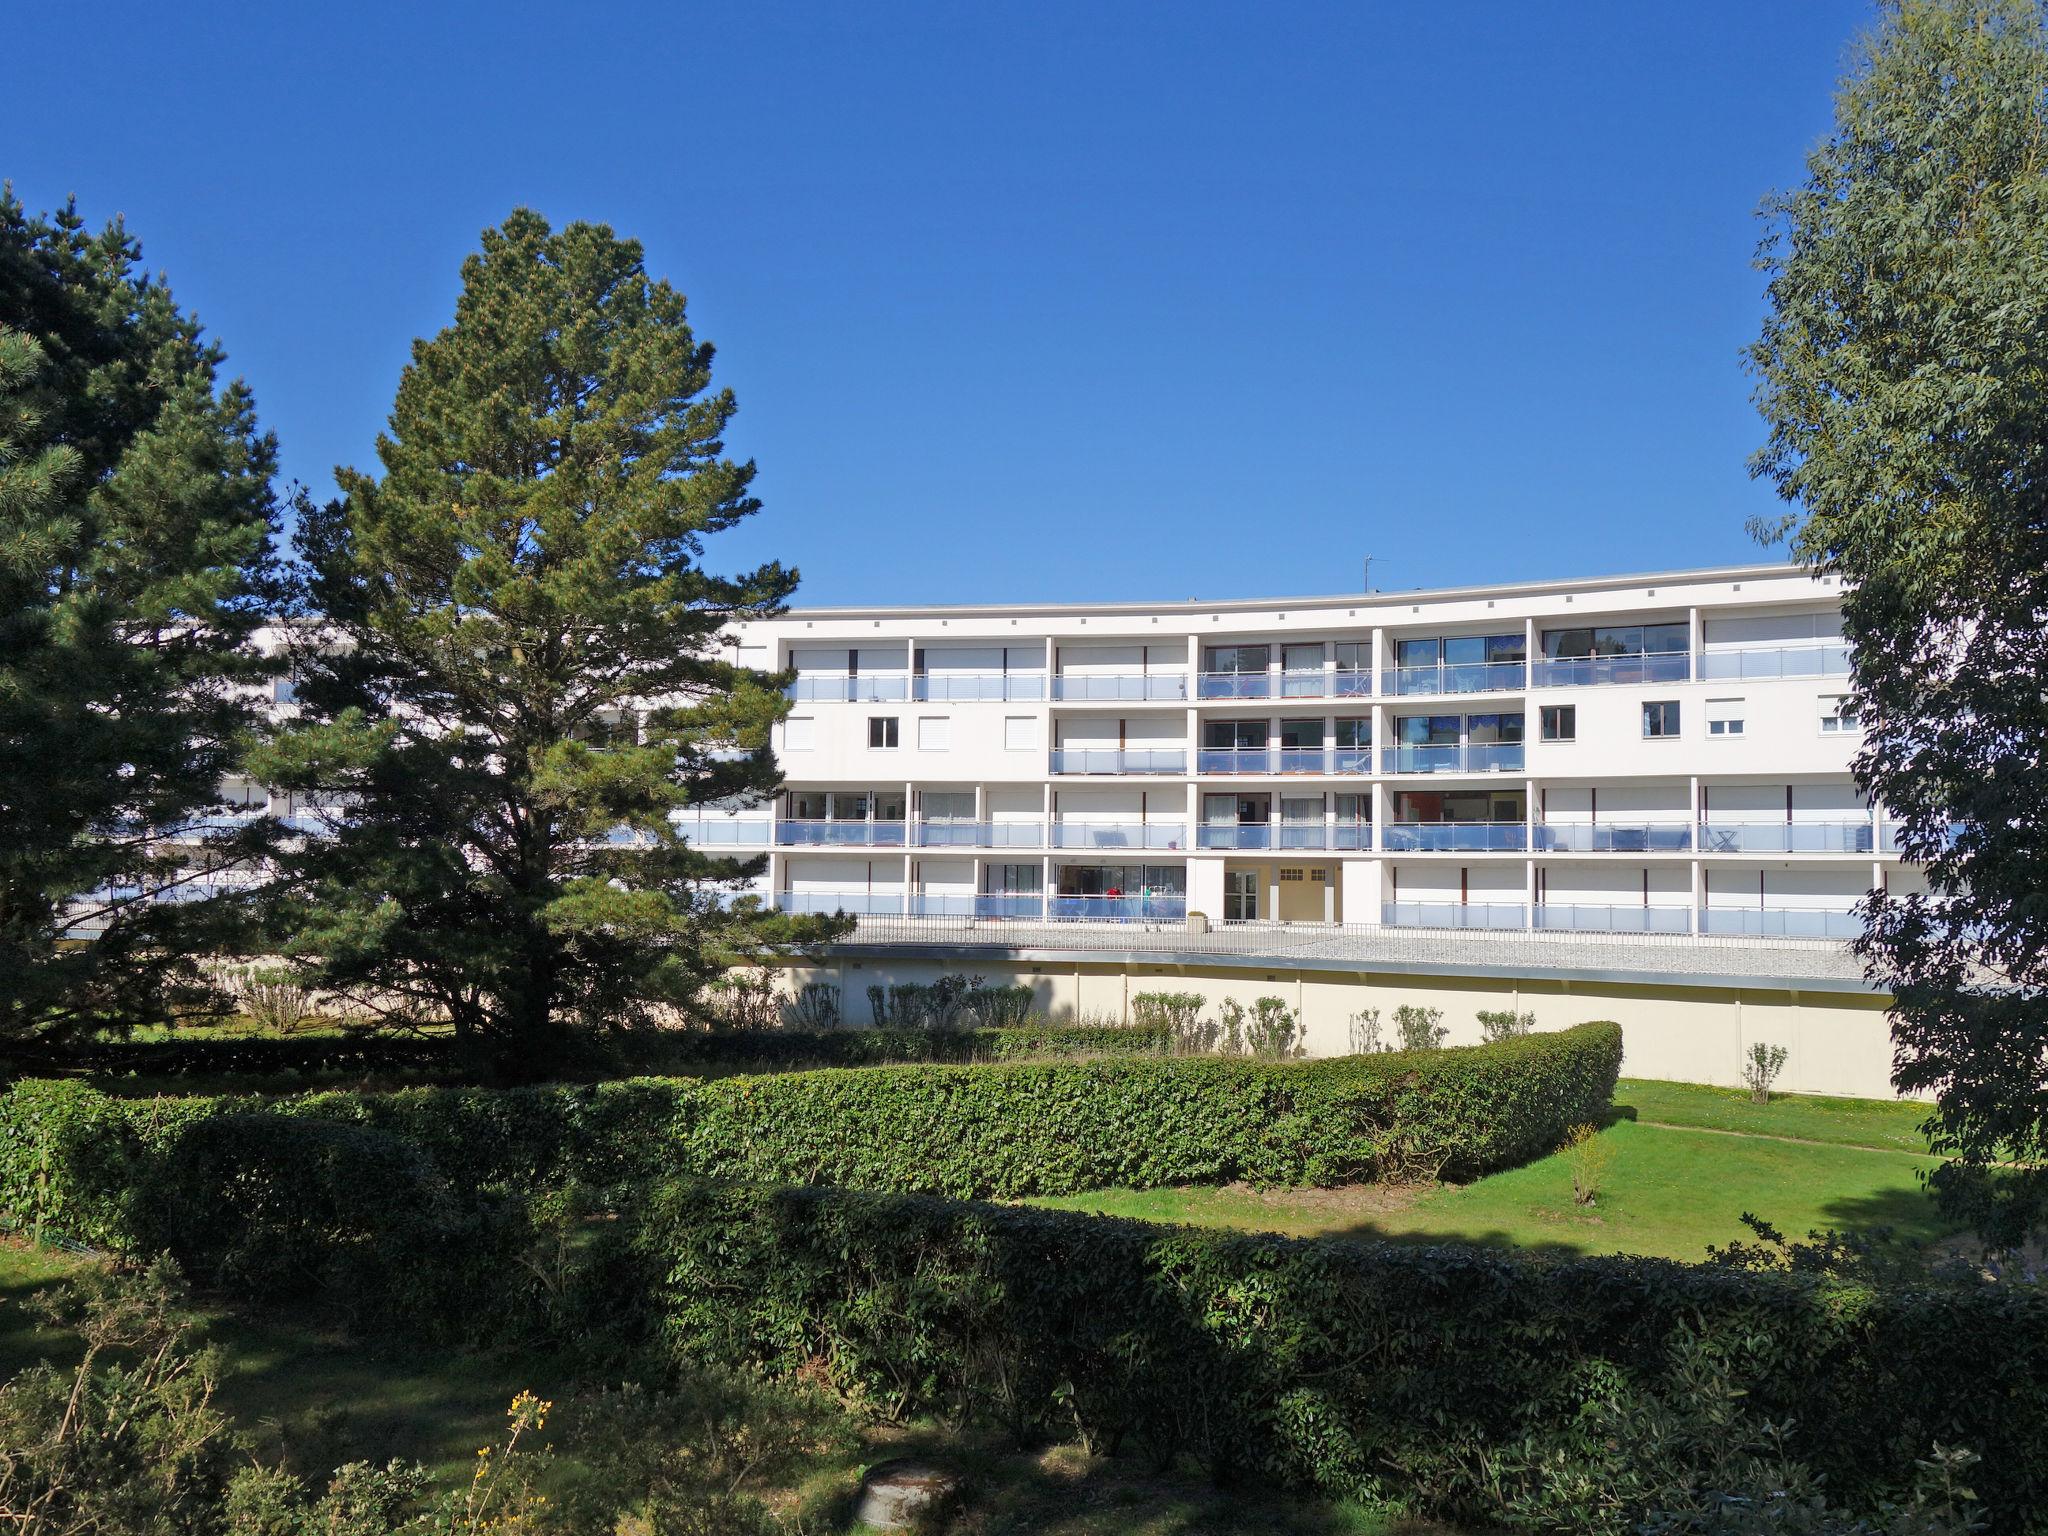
(136, 526)
(521, 674)
(1902, 372)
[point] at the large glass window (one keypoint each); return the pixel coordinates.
(1236, 810)
(1301, 733)
(1238, 658)
(1560, 722)
(1429, 730)
(1474, 650)
(1616, 640)
(1486, 730)
(1460, 805)
(1354, 732)
(1233, 735)
(1353, 657)
(1660, 717)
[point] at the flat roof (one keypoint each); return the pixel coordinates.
(1246, 604)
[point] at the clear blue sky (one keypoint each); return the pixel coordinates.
(1048, 300)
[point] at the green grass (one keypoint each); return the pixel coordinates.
(1885, 1123)
(1668, 1192)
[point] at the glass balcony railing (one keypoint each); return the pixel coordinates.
(838, 834)
(1132, 688)
(726, 832)
(1456, 677)
(939, 901)
(1486, 757)
(1788, 837)
(1584, 671)
(1285, 760)
(1237, 760)
(860, 903)
(1167, 906)
(1235, 685)
(1454, 914)
(992, 687)
(1621, 918)
(1161, 835)
(1781, 922)
(1351, 683)
(1235, 835)
(1614, 837)
(1110, 760)
(1829, 659)
(874, 688)
(1351, 836)
(977, 834)
(1305, 684)
(1304, 834)
(1454, 837)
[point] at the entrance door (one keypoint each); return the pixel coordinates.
(1301, 893)
(1240, 895)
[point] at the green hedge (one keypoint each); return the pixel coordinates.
(1364, 1370)
(82, 1162)
(284, 1058)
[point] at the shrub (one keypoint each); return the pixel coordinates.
(815, 1006)
(70, 1157)
(1761, 1069)
(1365, 1032)
(1419, 1028)
(745, 1000)
(1480, 1387)
(272, 1001)
(1588, 1158)
(951, 1002)
(1496, 1025)
(1179, 1014)
(1274, 1032)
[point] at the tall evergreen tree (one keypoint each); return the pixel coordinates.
(1903, 371)
(136, 527)
(501, 602)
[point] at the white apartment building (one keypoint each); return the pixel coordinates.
(1653, 754)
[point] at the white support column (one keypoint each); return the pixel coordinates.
(1529, 893)
(1696, 640)
(1697, 921)
(909, 869)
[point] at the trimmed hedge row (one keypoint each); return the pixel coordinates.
(1451, 1379)
(83, 1163)
(332, 1055)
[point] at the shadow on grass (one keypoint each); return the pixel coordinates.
(1066, 1492)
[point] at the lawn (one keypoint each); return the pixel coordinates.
(1684, 1165)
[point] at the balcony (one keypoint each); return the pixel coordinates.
(977, 834)
(859, 902)
(725, 832)
(1456, 677)
(1351, 836)
(1110, 760)
(1235, 835)
(1241, 836)
(1787, 837)
(1169, 907)
(1454, 837)
(1161, 835)
(1145, 688)
(1488, 757)
(1307, 683)
(929, 901)
(1588, 671)
(1781, 922)
(838, 834)
(1824, 660)
(874, 688)
(1621, 918)
(1276, 760)
(992, 687)
(1614, 837)
(1235, 685)
(1454, 914)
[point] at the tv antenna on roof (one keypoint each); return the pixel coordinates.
(1368, 573)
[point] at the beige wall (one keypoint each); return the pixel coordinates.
(1838, 1043)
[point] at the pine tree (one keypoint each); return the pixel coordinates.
(520, 674)
(1902, 372)
(136, 527)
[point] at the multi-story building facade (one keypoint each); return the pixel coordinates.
(1665, 754)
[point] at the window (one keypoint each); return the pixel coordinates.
(883, 731)
(1020, 733)
(1617, 640)
(1238, 658)
(1660, 717)
(1560, 722)
(1355, 732)
(1301, 733)
(1838, 715)
(934, 733)
(1239, 735)
(1724, 717)
(800, 734)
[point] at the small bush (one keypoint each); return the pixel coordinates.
(273, 1002)
(815, 1006)
(1273, 1032)
(746, 1000)
(1180, 1015)
(1761, 1068)
(1504, 1024)
(1419, 1028)
(1365, 1032)
(1588, 1157)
